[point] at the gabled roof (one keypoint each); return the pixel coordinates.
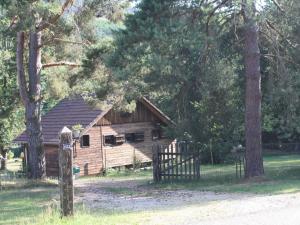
(72, 111)
(156, 111)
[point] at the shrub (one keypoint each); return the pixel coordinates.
(10, 155)
(219, 153)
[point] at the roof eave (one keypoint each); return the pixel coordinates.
(157, 111)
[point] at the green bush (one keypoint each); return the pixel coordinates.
(10, 155)
(218, 153)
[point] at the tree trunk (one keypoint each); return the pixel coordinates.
(31, 97)
(31, 93)
(3, 163)
(37, 162)
(254, 160)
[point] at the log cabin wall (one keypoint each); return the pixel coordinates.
(123, 154)
(51, 155)
(141, 114)
(118, 123)
(89, 159)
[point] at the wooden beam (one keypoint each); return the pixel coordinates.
(62, 63)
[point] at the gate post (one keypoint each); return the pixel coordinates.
(66, 172)
(197, 165)
(155, 162)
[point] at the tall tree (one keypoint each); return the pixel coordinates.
(254, 160)
(30, 88)
(42, 26)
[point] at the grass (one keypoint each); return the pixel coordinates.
(85, 217)
(38, 206)
(36, 203)
(19, 206)
(282, 175)
(12, 179)
(139, 174)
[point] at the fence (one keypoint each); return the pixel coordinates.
(176, 161)
(182, 161)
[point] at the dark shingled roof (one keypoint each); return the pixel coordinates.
(68, 112)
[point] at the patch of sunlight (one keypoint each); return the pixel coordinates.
(285, 162)
(289, 191)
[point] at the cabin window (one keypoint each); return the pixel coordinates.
(85, 140)
(135, 137)
(129, 137)
(109, 140)
(155, 135)
(120, 139)
(139, 137)
(158, 134)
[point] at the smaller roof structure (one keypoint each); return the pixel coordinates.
(75, 110)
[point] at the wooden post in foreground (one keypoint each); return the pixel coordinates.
(155, 162)
(66, 172)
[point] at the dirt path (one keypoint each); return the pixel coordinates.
(189, 207)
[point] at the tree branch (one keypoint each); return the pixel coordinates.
(71, 42)
(270, 25)
(53, 20)
(63, 63)
(278, 6)
(20, 68)
(211, 14)
(279, 58)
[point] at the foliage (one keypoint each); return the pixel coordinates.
(10, 113)
(10, 155)
(162, 55)
(68, 38)
(77, 127)
(281, 72)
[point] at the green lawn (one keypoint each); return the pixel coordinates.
(37, 203)
(282, 175)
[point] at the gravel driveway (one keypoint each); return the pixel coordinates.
(189, 207)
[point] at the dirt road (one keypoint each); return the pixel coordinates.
(189, 207)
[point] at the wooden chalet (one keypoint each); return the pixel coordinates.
(109, 138)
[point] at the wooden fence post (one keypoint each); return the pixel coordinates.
(66, 172)
(155, 161)
(197, 164)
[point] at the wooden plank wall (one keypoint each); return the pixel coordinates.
(51, 155)
(141, 114)
(89, 159)
(124, 154)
